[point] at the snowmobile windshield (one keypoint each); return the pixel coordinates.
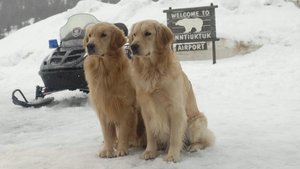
(72, 33)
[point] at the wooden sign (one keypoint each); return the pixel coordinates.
(193, 25)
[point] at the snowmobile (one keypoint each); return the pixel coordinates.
(63, 68)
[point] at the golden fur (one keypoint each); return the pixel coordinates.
(165, 94)
(112, 94)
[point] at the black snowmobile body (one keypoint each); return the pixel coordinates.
(63, 70)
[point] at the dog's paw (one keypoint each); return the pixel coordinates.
(106, 153)
(149, 154)
(121, 152)
(172, 158)
(195, 147)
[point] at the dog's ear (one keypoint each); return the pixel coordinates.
(164, 35)
(86, 36)
(117, 38)
(85, 39)
(130, 37)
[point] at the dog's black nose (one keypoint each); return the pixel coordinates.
(135, 48)
(91, 48)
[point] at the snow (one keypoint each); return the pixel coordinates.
(251, 101)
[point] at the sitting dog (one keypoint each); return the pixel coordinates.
(165, 94)
(112, 94)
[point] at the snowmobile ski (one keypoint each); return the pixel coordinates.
(38, 102)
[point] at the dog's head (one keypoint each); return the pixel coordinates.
(103, 38)
(149, 37)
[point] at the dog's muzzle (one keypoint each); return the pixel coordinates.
(91, 48)
(135, 48)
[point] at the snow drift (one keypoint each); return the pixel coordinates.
(251, 101)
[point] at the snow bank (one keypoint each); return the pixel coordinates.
(251, 101)
(259, 21)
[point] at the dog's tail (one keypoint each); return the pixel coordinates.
(198, 135)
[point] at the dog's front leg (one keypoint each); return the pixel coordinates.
(177, 130)
(150, 152)
(124, 132)
(109, 134)
(147, 110)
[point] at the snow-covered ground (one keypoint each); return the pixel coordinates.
(252, 101)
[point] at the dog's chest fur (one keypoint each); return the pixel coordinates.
(154, 86)
(106, 83)
(150, 77)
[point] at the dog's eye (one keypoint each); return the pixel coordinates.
(103, 35)
(90, 35)
(148, 33)
(134, 35)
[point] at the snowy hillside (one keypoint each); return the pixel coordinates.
(15, 14)
(252, 101)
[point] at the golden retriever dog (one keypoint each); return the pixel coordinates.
(165, 94)
(112, 94)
